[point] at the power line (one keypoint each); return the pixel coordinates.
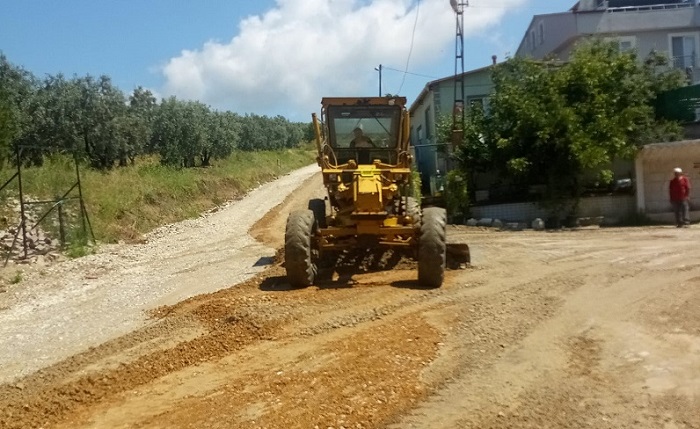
(408, 72)
(410, 50)
(476, 85)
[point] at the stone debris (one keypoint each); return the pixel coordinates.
(42, 247)
(487, 221)
(514, 226)
(538, 224)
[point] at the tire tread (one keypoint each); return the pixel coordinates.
(299, 263)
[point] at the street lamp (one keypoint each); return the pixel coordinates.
(379, 69)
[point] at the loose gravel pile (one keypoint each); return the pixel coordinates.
(63, 309)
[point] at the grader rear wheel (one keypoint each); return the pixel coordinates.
(432, 248)
(299, 260)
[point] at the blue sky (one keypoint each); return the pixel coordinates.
(264, 56)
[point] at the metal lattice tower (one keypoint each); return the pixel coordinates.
(459, 108)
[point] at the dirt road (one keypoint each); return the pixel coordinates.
(578, 329)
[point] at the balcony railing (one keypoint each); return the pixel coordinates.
(686, 63)
(651, 7)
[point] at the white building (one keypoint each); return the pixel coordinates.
(670, 27)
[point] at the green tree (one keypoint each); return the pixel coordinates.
(166, 133)
(18, 89)
(475, 153)
(551, 123)
(82, 115)
(181, 131)
(253, 135)
(142, 110)
(54, 127)
(100, 119)
(8, 124)
(223, 135)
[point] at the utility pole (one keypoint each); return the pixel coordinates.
(459, 108)
(379, 69)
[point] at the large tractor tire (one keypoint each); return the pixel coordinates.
(432, 248)
(408, 207)
(298, 251)
(318, 206)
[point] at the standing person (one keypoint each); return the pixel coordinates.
(679, 191)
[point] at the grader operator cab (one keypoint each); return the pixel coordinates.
(364, 157)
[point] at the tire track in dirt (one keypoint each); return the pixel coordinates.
(231, 322)
(403, 307)
(589, 363)
(547, 330)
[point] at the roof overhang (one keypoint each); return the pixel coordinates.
(429, 86)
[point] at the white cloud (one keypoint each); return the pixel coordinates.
(289, 57)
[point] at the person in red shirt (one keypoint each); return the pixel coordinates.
(679, 190)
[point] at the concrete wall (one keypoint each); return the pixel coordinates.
(612, 208)
(658, 171)
(558, 28)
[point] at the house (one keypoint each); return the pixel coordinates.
(671, 27)
(436, 101)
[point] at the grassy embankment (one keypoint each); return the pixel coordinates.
(124, 203)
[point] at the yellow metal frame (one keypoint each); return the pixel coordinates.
(372, 185)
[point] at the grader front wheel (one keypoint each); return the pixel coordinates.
(408, 206)
(299, 263)
(318, 206)
(432, 248)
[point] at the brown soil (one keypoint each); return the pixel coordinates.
(591, 328)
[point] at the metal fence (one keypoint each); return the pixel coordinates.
(68, 210)
(682, 104)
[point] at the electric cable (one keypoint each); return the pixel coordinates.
(410, 50)
(408, 72)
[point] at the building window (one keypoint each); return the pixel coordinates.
(420, 134)
(683, 49)
(624, 43)
(481, 101)
(540, 30)
(532, 39)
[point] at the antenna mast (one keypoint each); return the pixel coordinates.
(458, 111)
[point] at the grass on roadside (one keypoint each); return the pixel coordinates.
(124, 203)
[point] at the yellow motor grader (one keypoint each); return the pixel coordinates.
(366, 165)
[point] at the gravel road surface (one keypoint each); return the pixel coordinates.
(77, 304)
(587, 328)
